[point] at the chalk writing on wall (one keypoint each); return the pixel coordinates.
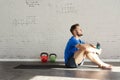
(32, 3)
(25, 21)
(66, 8)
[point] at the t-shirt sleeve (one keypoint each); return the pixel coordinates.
(82, 42)
(74, 42)
(73, 45)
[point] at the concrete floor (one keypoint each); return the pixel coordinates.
(56, 71)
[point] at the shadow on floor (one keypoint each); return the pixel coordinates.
(50, 66)
(38, 66)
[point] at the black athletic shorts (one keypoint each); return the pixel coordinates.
(71, 63)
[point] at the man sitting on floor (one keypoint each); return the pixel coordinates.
(77, 50)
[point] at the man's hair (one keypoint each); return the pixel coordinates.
(73, 27)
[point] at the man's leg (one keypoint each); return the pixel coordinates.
(95, 58)
(81, 54)
(91, 54)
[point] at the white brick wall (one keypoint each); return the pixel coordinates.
(29, 27)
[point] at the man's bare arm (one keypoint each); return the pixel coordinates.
(89, 47)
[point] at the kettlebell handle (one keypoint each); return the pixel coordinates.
(53, 54)
(45, 53)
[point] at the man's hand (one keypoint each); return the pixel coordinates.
(99, 51)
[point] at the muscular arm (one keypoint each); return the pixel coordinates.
(89, 47)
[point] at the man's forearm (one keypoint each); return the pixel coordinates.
(92, 45)
(89, 47)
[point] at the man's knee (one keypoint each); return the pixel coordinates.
(86, 48)
(81, 50)
(89, 50)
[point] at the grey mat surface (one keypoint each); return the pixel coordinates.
(23, 66)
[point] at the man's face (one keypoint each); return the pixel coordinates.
(78, 31)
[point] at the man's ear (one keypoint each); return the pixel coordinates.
(75, 32)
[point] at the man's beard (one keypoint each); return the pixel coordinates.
(79, 35)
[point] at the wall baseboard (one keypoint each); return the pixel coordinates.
(37, 60)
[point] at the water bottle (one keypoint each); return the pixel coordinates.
(98, 45)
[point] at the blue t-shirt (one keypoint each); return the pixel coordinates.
(70, 47)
